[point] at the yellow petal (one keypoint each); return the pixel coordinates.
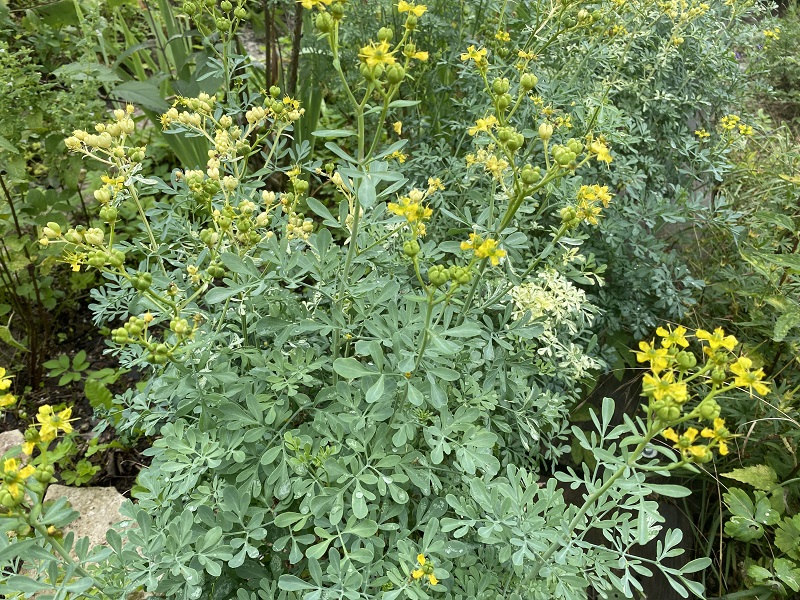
(670, 435)
(421, 559)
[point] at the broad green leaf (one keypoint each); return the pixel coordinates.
(141, 93)
(787, 536)
(350, 368)
(761, 477)
(290, 583)
(788, 572)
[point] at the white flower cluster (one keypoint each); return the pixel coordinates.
(565, 313)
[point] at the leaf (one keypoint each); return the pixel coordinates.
(142, 93)
(365, 528)
(350, 368)
(785, 323)
(761, 477)
(787, 537)
(375, 392)
(333, 133)
(748, 518)
(290, 583)
(787, 261)
(788, 573)
(321, 210)
(19, 583)
(6, 337)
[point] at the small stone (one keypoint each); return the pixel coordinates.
(98, 507)
(9, 439)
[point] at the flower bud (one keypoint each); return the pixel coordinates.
(109, 214)
(385, 34)
(411, 248)
(94, 236)
(545, 131)
(240, 12)
(324, 22)
(52, 230)
(438, 275)
(500, 86)
(504, 101)
(395, 74)
(225, 5)
(337, 10)
(528, 81)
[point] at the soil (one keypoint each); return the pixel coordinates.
(118, 466)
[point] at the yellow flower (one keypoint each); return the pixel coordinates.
(479, 56)
(474, 241)
(417, 573)
(495, 166)
(502, 36)
(702, 133)
(662, 387)
(594, 193)
(411, 207)
(415, 9)
(670, 337)
(432, 579)
(685, 442)
(7, 400)
(717, 339)
(421, 559)
(745, 129)
(656, 357)
(421, 55)
(729, 122)
(719, 434)
(14, 477)
(486, 125)
(399, 156)
(398, 127)
(310, 4)
(377, 54)
(600, 149)
(434, 183)
(51, 422)
(747, 378)
(489, 249)
(5, 382)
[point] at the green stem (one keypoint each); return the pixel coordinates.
(556, 544)
(59, 549)
(425, 336)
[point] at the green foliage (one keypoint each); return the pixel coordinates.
(67, 371)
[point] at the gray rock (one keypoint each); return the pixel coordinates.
(9, 439)
(98, 507)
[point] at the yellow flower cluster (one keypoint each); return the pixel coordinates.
(411, 207)
(415, 9)
(491, 162)
(484, 248)
(13, 485)
(601, 151)
(702, 134)
(729, 122)
(486, 125)
(7, 399)
(377, 54)
(311, 4)
(476, 55)
(424, 569)
(666, 386)
(587, 208)
(772, 34)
